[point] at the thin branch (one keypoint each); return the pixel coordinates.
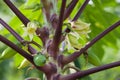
(24, 54)
(31, 49)
(47, 5)
(72, 67)
(80, 10)
(70, 8)
(54, 21)
(75, 55)
(81, 74)
(17, 12)
(57, 37)
(43, 34)
(16, 48)
(16, 35)
(32, 42)
(59, 28)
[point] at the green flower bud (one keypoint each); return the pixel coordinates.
(73, 40)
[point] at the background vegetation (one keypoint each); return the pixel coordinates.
(99, 13)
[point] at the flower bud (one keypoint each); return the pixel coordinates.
(73, 40)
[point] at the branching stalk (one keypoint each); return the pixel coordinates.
(75, 55)
(50, 68)
(26, 55)
(47, 5)
(81, 74)
(43, 34)
(70, 67)
(32, 42)
(17, 12)
(80, 10)
(70, 8)
(17, 36)
(16, 48)
(58, 32)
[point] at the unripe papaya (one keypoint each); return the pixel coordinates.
(39, 59)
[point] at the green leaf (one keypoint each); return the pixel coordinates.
(93, 59)
(17, 60)
(101, 20)
(8, 53)
(24, 63)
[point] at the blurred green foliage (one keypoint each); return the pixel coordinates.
(99, 13)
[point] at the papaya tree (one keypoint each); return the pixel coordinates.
(55, 37)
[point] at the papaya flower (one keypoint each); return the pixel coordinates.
(77, 38)
(30, 29)
(82, 28)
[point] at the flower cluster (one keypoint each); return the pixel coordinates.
(77, 38)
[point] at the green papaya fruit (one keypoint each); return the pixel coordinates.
(39, 59)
